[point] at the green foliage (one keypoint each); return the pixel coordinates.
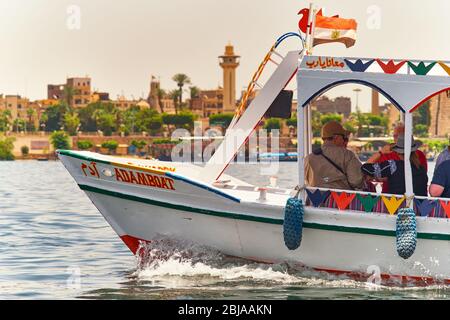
(421, 130)
(272, 124)
(106, 122)
(84, 144)
(25, 150)
(223, 119)
(111, 145)
(350, 127)
(71, 123)
(292, 122)
(325, 118)
(149, 120)
(436, 145)
(139, 144)
(60, 140)
(54, 117)
(163, 141)
(6, 148)
(184, 119)
(5, 120)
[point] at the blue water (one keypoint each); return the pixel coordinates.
(55, 245)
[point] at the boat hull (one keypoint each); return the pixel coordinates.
(333, 240)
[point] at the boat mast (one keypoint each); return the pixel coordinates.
(304, 131)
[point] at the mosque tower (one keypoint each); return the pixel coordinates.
(229, 62)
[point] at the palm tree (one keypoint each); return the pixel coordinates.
(30, 113)
(69, 92)
(181, 79)
(161, 94)
(174, 95)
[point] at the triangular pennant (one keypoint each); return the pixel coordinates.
(446, 206)
(317, 197)
(343, 200)
(359, 66)
(368, 202)
(445, 67)
(390, 67)
(393, 203)
(421, 69)
(425, 207)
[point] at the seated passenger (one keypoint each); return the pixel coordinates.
(440, 185)
(443, 156)
(333, 166)
(394, 170)
(387, 153)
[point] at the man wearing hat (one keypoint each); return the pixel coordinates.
(333, 166)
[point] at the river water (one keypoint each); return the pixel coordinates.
(54, 244)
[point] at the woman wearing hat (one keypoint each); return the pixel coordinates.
(394, 170)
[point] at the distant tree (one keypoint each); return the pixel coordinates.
(6, 148)
(195, 92)
(84, 144)
(325, 118)
(54, 117)
(31, 113)
(421, 130)
(161, 94)
(149, 120)
(71, 123)
(175, 95)
(60, 140)
(106, 123)
(5, 120)
(185, 119)
(181, 79)
(222, 119)
(68, 94)
(272, 124)
(25, 150)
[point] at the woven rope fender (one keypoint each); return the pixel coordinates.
(406, 232)
(293, 223)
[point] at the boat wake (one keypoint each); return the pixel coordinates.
(179, 264)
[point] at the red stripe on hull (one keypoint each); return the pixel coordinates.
(132, 242)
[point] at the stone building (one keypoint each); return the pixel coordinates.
(440, 115)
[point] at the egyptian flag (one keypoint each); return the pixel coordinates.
(334, 29)
(329, 29)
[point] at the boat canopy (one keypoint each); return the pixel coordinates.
(406, 83)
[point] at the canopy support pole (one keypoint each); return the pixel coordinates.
(408, 171)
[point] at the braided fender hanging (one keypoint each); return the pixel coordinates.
(293, 223)
(406, 232)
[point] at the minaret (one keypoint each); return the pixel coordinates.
(375, 102)
(229, 62)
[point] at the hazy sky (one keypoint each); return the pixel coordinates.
(121, 43)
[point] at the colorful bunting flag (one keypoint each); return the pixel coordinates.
(445, 67)
(425, 206)
(390, 67)
(446, 206)
(359, 66)
(421, 69)
(343, 200)
(393, 203)
(317, 197)
(368, 202)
